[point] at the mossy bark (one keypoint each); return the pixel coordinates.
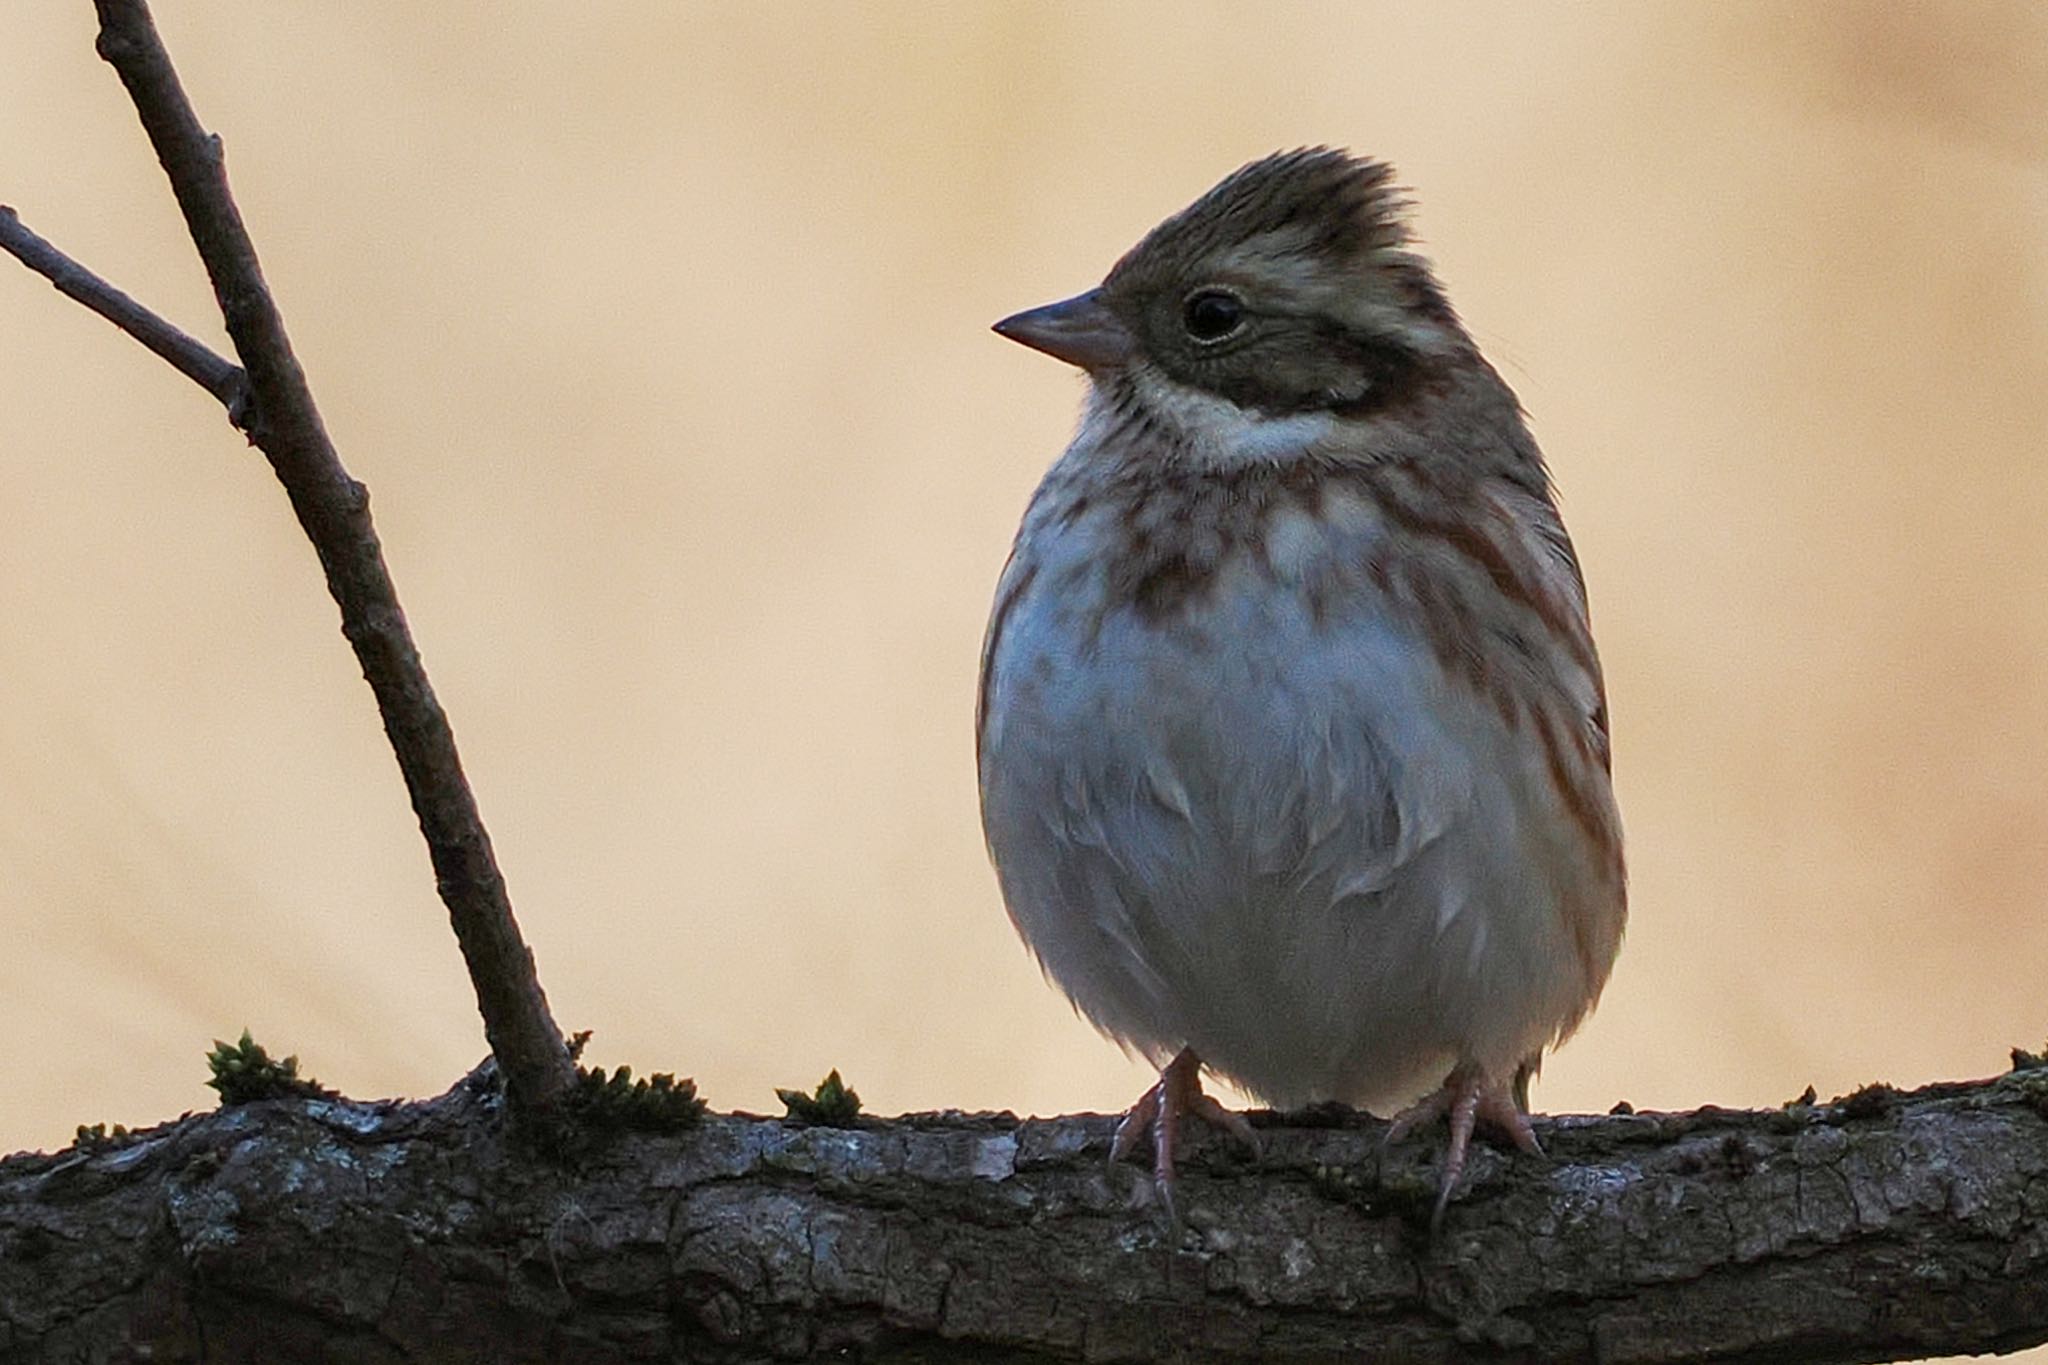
(1886, 1227)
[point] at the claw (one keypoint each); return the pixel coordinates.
(1467, 1097)
(1158, 1113)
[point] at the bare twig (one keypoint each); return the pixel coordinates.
(282, 420)
(187, 355)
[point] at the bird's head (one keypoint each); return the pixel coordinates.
(1286, 293)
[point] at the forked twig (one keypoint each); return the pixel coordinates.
(267, 397)
(186, 354)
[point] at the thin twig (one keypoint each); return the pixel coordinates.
(188, 355)
(334, 511)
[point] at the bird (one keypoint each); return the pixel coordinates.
(1292, 738)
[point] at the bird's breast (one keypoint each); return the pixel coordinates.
(1236, 797)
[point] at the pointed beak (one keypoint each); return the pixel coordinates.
(1081, 331)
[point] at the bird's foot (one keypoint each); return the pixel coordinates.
(1467, 1097)
(1158, 1113)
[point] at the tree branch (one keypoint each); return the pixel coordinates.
(187, 355)
(1882, 1227)
(282, 420)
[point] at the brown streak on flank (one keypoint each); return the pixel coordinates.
(996, 623)
(1454, 635)
(1585, 812)
(1468, 540)
(1578, 925)
(1449, 626)
(1583, 737)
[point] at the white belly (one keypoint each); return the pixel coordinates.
(1296, 847)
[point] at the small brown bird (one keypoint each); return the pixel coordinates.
(1292, 737)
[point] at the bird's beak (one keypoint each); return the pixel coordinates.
(1081, 331)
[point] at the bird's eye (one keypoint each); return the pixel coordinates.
(1211, 315)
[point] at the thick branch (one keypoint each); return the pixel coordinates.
(1883, 1227)
(334, 510)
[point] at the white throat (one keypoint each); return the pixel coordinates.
(1209, 430)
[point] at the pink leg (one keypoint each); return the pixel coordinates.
(1158, 1113)
(1468, 1097)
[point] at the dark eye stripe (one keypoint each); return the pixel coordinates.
(1372, 375)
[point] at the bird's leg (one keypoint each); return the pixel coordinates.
(1467, 1097)
(1158, 1113)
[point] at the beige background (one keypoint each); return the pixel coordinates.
(660, 337)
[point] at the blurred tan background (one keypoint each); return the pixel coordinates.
(661, 340)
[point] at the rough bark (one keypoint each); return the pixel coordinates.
(1881, 1227)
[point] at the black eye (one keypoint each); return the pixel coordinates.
(1211, 315)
